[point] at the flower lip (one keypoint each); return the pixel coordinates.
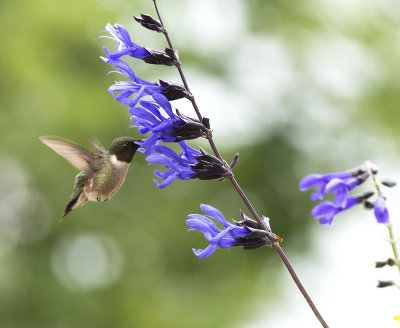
(218, 238)
(313, 180)
(326, 211)
(178, 166)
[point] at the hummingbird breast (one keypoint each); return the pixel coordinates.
(107, 181)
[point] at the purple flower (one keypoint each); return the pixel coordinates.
(341, 187)
(218, 238)
(380, 210)
(125, 46)
(169, 128)
(326, 211)
(321, 181)
(178, 166)
(122, 90)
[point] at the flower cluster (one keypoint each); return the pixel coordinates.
(156, 116)
(341, 183)
(245, 233)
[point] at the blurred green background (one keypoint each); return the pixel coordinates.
(294, 86)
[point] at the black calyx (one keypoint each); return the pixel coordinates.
(209, 167)
(169, 57)
(150, 23)
(173, 91)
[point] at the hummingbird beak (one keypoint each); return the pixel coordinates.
(140, 140)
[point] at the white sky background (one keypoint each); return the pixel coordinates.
(340, 273)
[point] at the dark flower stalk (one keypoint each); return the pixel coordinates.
(260, 222)
(158, 118)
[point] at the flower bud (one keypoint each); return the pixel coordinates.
(149, 22)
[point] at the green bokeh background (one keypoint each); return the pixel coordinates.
(52, 82)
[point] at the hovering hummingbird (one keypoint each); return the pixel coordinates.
(102, 172)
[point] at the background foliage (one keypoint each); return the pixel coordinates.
(295, 87)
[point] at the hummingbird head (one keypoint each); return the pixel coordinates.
(124, 148)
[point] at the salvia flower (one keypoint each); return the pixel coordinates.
(190, 164)
(380, 210)
(178, 166)
(340, 182)
(125, 46)
(167, 128)
(326, 211)
(123, 90)
(218, 238)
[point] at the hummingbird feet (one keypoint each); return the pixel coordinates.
(101, 200)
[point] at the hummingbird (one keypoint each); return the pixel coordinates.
(102, 171)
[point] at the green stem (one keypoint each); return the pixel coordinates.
(392, 240)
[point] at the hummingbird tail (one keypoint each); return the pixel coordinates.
(68, 209)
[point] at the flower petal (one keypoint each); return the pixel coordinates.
(310, 181)
(204, 253)
(213, 212)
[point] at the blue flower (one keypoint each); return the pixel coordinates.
(179, 166)
(125, 46)
(217, 238)
(170, 128)
(326, 211)
(380, 210)
(122, 90)
(341, 187)
(321, 181)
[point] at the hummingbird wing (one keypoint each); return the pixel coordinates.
(80, 157)
(97, 145)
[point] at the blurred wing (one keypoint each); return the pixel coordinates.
(97, 145)
(78, 156)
